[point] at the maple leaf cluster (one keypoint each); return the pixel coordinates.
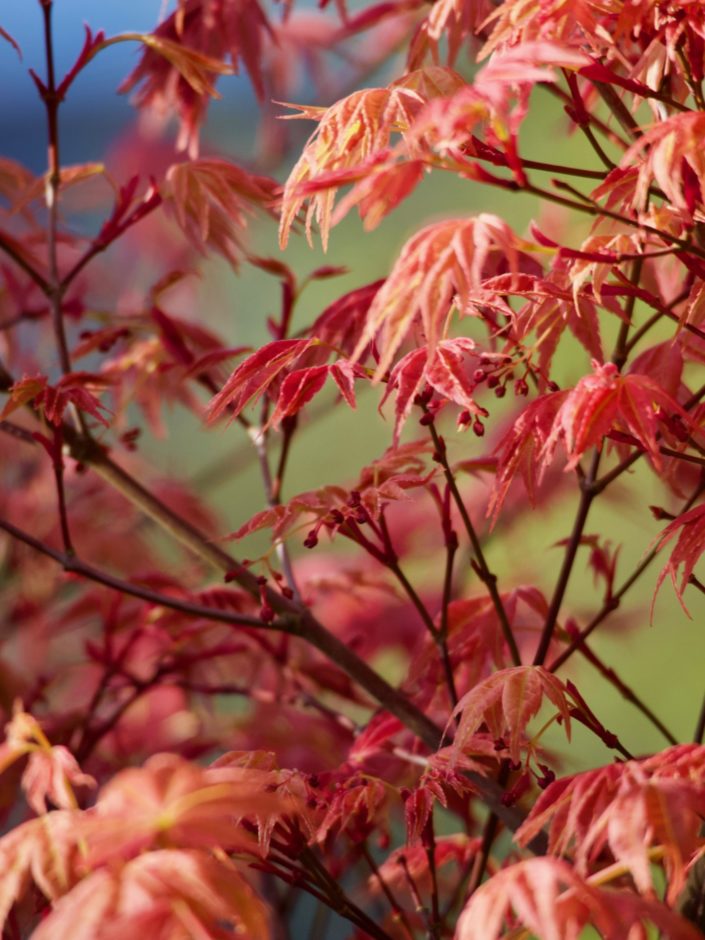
(385, 706)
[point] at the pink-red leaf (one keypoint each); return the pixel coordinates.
(606, 401)
(437, 268)
(296, 390)
(167, 894)
(211, 200)
(629, 808)
(690, 544)
(506, 702)
(254, 376)
(554, 903)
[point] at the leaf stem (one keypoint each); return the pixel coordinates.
(13, 250)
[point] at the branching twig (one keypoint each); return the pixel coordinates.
(74, 565)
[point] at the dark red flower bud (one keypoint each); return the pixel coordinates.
(266, 613)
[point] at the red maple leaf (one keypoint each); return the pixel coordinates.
(629, 808)
(506, 701)
(690, 544)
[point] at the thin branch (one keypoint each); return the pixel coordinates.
(57, 462)
(339, 901)
(488, 578)
(489, 834)
(52, 102)
(594, 121)
(558, 168)
(625, 691)
(695, 86)
(583, 118)
(272, 493)
(17, 431)
(591, 208)
(619, 356)
(93, 736)
(421, 908)
(12, 250)
(399, 912)
(104, 240)
(619, 109)
(392, 562)
(74, 565)
(442, 635)
(586, 498)
(614, 601)
(700, 726)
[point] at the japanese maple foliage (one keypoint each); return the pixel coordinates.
(370, 706)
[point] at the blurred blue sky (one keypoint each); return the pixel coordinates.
(93, 111)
